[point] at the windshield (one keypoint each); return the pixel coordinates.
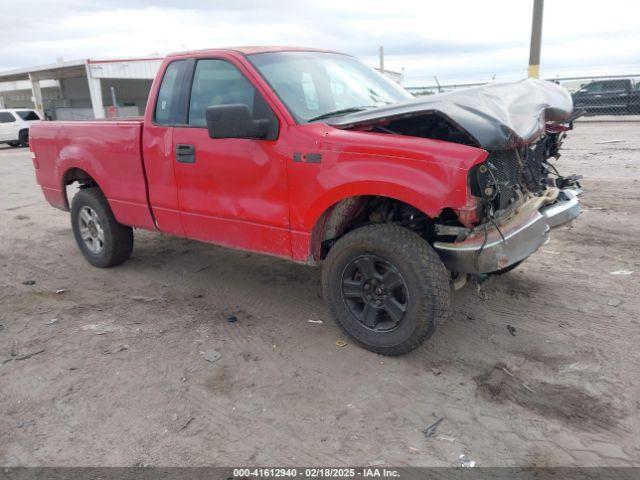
(316, 85)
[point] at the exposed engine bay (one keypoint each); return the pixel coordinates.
(509, 176)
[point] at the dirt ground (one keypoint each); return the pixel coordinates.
(117, 376)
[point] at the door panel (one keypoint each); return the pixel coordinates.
(234, 192)
(615, 95)
(231, 191)
(158, 149)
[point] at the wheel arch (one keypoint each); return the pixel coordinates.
(80, 175)
(344, 214)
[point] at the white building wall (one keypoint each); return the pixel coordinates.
(139, 69)
(25, 85)
(77, 95)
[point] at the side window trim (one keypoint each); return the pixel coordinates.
(185, 90)
(180, 95)
(191, 76)
(193, 73)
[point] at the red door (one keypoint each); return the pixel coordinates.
(231, 191)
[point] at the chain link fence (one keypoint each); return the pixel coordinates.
(616, 97)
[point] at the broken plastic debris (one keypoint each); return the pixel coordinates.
(315, 321)
(608, 141)
(52, 321)
(211, 355)
(60, 290)
(99, 328)
(621, 272)
(25, 423)
(430, 431)
(186, 424)
(29, 282)
(512, 330)
(614, 302)
(466, 463)
(116, 349)
(340, 343)
(232, 319)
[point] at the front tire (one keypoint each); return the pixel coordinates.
(386, 288)
(102, 240)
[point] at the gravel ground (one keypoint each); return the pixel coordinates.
(106, 367)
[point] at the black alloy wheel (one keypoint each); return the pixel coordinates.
(375, 292)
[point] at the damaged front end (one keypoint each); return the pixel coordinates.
(516, 195)
(497, 244)
(520, 197)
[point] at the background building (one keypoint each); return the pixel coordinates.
(81, 89)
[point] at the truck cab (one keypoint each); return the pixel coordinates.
(609, 97)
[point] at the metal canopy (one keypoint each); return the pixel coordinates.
(54, 71)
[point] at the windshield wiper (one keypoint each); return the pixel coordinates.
(342, 111)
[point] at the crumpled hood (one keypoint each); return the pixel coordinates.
(497, 116)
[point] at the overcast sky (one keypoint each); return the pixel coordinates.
(457, 40)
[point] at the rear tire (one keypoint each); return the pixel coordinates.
(23, 138)
(102, 240)
(386, 288)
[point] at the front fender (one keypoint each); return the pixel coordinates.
(427, 187)
(429, 175)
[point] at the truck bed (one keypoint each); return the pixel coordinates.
(109, 150)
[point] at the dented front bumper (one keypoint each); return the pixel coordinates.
(496, 248)
(565, 209)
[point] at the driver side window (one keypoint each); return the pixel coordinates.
(218, 82)
(594, 87)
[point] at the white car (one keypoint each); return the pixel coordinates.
(14, 125)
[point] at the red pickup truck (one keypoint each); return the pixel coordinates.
(312, 156)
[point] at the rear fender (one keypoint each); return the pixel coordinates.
(76, 157)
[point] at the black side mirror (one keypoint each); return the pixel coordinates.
(235, 121)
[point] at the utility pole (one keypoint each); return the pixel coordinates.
(381, 59)
(536, 39)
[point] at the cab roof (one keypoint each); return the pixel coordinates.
(250, 50)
